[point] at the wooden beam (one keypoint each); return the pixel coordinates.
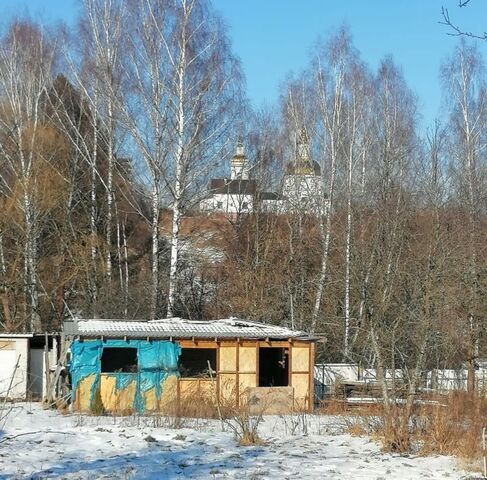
(311, 376)
(237, 376)
(290, 366)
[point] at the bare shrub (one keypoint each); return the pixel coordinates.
(296, 424)
(244, 425)
(240, 416)
(392, 429)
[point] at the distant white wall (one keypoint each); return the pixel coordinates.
(329, 373)
(437, 380)
(232, 203)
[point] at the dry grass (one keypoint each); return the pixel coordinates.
(453, 426)
(442, 425)
(332, 406)
(356, 426)
(195, 404)
(447, 425)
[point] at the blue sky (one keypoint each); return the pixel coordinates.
(274, 37)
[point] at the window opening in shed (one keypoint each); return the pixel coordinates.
(193, 362)
(119, 360)
(273, 367)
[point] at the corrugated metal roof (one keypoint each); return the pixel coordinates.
(180, 328)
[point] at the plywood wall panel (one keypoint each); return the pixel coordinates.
(116, 400)
(188, 388)
(300, 383)
(300, 359)
(228, 359)
(247, 359)
(247, 380)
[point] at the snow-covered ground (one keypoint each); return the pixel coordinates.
(45, 444)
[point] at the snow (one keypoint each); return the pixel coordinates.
(39, 443)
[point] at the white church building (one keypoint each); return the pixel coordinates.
(232, 195)
(302, 187)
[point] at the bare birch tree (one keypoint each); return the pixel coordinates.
(329, 72)
(203, 91)
(27, 57)
(463, 77)
(104, 28)
(149, 111)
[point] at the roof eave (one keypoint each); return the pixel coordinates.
(165, 336)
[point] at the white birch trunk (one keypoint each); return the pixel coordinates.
(93, 206)
(348, 235)
(348, 249)
(180, 154)
(119, 252)
(109, 220)
(155, 249)
(126, 265)
(3, 267)
(332, 125)
(326, 234)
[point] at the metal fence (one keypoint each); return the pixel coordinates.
(326, 375)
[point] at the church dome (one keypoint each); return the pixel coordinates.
(303, 168)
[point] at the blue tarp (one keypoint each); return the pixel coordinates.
(156, 361)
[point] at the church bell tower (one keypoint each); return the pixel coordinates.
(239, 165)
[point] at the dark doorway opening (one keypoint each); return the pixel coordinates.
(273, 367)
(193, 362)
(116, 360)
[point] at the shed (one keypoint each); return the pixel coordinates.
(152, 365)
(25, 360)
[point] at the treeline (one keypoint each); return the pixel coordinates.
(110, 131)
(395, 275)
(102, 127)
